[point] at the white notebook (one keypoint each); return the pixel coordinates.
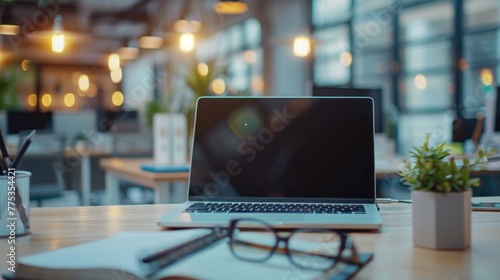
(117, 257)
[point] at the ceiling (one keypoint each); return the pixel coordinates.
(96, 28)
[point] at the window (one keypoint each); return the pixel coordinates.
(332, 52)
(411, 49)
(238, 48)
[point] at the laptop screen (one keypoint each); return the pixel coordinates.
(304, 149)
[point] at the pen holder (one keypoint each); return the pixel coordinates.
(15, 204)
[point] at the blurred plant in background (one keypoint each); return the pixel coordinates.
(10, 76)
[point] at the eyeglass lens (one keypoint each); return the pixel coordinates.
(255, 245)
(314, 252)
(319, 253)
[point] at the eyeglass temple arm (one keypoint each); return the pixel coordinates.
(354, 258)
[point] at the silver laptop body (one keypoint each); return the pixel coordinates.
(294, 162)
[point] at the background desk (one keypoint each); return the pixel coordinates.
(395, 255)
(169, 187)
(129, 169)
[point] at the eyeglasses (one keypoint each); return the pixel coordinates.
(258, 245)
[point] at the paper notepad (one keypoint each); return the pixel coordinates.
(117, 257)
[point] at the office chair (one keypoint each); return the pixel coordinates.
(45, 160)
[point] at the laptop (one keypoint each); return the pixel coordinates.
(294, 162)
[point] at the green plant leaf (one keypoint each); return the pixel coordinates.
(432, 169)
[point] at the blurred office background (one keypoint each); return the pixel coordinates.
(88, 74)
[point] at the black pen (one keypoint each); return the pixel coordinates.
(5, 154)
(22, 149)
(161, 259)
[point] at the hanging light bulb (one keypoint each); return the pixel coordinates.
(7, 25)
(117, 98)
(58, 40)
(301, 46)
(46, 99)
(32, 100)
(230, 7)
(116, 75)
(186, 42)
(69, 99)
(83, 82)
(129, 51)
(153, 40)
(202, 69)
(113, 61)
(187, 25)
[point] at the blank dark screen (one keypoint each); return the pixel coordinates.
(497, 111)
(19, 121)
(375, 94)
(283, 149)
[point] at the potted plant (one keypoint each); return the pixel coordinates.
(441, 196)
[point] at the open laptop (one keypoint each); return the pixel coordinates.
(291, 161)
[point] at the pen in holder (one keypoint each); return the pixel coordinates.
(14, 203)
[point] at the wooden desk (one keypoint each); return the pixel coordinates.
(169, 187)
(395, 256)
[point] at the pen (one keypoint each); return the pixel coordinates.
(163, 258)
(5, 154)
(22, 149)
(15, 162)
(3, 168)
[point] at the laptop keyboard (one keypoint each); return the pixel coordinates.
(315, 208)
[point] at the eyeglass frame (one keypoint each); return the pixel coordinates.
(346, 242)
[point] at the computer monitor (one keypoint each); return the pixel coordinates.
(497, 111)
(466, 128)
(375, 94)
(21, 120)
(107, 118)
(73, 124)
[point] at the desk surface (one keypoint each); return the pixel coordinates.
(130, 168)
(395, 256)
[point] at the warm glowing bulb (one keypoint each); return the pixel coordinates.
(25, 65)
(9, 29)
(186, 42)
(301, 46)
(46, 100)
(250, 56)
(420, 81)
(117, 98)
(69, 99)
(218, 86)
(150, 42)
(83, 82)
(128, 53)
(345, 58)
(184, 25)
(58, 43)
(486, 77)
(463, 64)
(230, 7)
(32, 100)
(116, 75)
(257, 84)
(202, 68)
(113, 61)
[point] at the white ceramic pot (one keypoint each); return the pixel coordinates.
(442, 221)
